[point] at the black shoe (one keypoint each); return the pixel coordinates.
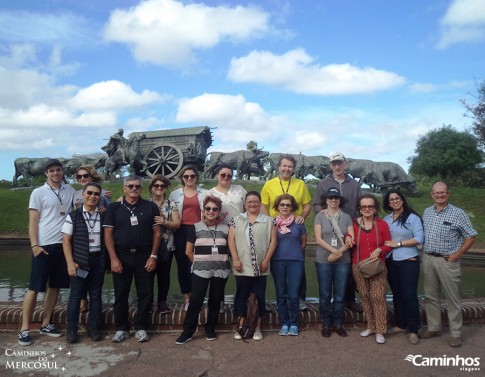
(71, 336)
(326, 332)
(95, 335)
(183, 338)
(210, 334)
(341, 331)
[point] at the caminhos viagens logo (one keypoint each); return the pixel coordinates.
(467, 364)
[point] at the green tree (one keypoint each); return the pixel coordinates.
(445, 153)
(476, 111)
(251, 146)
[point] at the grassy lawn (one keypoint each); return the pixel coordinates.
(14, 205)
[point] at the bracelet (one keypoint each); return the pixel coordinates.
(154, 256)
(33, 246)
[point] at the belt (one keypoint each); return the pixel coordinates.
(437, 255)
(95, 254)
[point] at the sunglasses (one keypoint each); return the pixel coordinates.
(285, 205)
(91, 193)
(159, 186)
(131, 187)
(189, 176)
(79, 176)
(208, 209)
(225, 175)
(367, 207)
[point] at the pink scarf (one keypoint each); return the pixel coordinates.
(282, 225)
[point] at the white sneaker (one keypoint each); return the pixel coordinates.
(141, 336)
(237, 336)
(380, 339)
(120, 336)
(366, 333)
(257, 334)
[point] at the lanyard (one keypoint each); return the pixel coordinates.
(213, 233)
(132, 211)
(287, 189)
(56, 194)
(87, 218)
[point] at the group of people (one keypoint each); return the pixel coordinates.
(211, 232)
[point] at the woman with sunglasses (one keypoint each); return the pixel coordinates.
(232, 195)
(371, 234)
(169, 220)
(86, 174)
(207, 250)
(403, 264)
(287, 263)
(252, 241)
(334, 234)
(188, 200)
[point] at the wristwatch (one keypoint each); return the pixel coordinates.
(154, 256)
(399, 244)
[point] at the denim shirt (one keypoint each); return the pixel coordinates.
(399, 233)
(177, 196)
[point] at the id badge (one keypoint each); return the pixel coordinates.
(134, 220)
(91, 240)
(215, 250)
(333, 242)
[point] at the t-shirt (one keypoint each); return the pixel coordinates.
(53, 206)
(276, 187)
(289, 244)
(344, 221)
(208, 263)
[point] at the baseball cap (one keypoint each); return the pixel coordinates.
(52, 162)
(337, 156)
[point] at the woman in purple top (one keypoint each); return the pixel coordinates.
(287, 263)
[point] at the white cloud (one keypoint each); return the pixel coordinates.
(296, 71)
(423, 88)
(463, 22)
(112, 95)
(166, 32)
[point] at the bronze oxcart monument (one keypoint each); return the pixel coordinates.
(162, 152)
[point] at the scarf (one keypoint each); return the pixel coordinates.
(282, 225)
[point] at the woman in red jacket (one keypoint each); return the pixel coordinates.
(370, 235)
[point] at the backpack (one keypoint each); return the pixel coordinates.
(250, 321)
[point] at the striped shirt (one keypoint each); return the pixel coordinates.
(207, 261)
(445, 231)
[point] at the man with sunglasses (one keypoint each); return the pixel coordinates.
(132, 239)
(48, 208)
(86, 260)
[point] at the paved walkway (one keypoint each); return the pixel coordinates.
(309, 354)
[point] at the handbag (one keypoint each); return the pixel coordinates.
(369, 267)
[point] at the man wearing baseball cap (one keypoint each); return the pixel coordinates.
(48, 208)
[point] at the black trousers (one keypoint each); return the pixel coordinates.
(133, 267)
(216, 295)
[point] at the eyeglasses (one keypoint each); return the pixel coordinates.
(189, 176)
(208, 209)
(367, 207)
(334, 198)
(225, 175)
(394, 200)
(79, 176)
(441, 193)
(159, 186)
(131, 187)
(285, 205)
(95, 193)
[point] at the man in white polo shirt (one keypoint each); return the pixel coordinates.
(48, 208)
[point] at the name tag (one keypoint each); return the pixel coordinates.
(134, 220)
(333, 242)
(215, 250)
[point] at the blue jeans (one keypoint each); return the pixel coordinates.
(403, 279)
(92, 284)
(287, 275)
(332, 279)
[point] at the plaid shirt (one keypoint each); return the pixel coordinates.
(445, 231)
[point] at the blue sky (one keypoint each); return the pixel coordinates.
(363, 77)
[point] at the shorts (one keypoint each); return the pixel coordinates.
(51, 267)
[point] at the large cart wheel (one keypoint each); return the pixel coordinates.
(164, 159)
